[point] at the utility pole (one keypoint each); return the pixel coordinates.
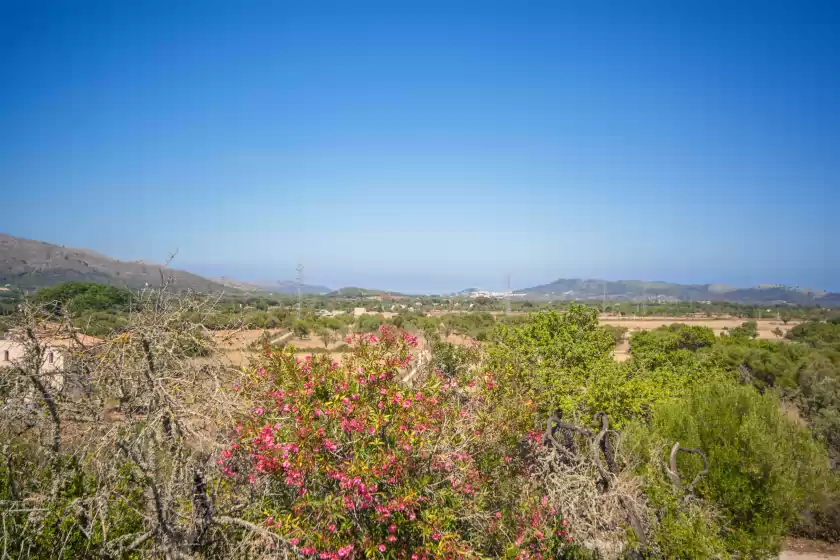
(299, 285)
(509, 295)
(604, 301)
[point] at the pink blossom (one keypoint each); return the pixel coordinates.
(381, 548)
(294, 541)
(260, 411)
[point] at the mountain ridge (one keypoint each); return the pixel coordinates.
(638, 290)
(286, 287)
(30, 264)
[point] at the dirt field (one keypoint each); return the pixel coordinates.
(765, 327)
(804, 549)
(234, 345)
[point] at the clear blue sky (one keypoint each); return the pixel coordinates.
(429, 146)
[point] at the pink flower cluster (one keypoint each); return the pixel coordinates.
(349, 441)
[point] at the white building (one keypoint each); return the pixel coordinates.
(13, 352)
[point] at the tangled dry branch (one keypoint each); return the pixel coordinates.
(141, 411)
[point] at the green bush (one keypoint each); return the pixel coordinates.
(369, 323)
(655, 347)
(816, 334)
(764, 469)
(84, 297)
(747, 330)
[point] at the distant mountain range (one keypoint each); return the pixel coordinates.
(29, 264)
(636, 290)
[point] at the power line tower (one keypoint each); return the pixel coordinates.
(508, 296)
(604, 301)
(299, 286)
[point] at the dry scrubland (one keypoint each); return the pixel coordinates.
(142, 449)
(234, 344)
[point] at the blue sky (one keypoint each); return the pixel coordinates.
(429, 146)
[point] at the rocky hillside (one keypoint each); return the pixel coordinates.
(29, 264)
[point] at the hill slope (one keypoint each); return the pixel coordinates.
(353, 292)
(636, 290)
(279, 287)
(29, 264)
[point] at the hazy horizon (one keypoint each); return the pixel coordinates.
(430, 147)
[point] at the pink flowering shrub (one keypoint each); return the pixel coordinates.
(351, 463)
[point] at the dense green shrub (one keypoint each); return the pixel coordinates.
(656, 347)
(748, 330)
(564, 362)
(84, 297)
(817, 334)
(63, 532)
(369, 323)
(764, 469)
